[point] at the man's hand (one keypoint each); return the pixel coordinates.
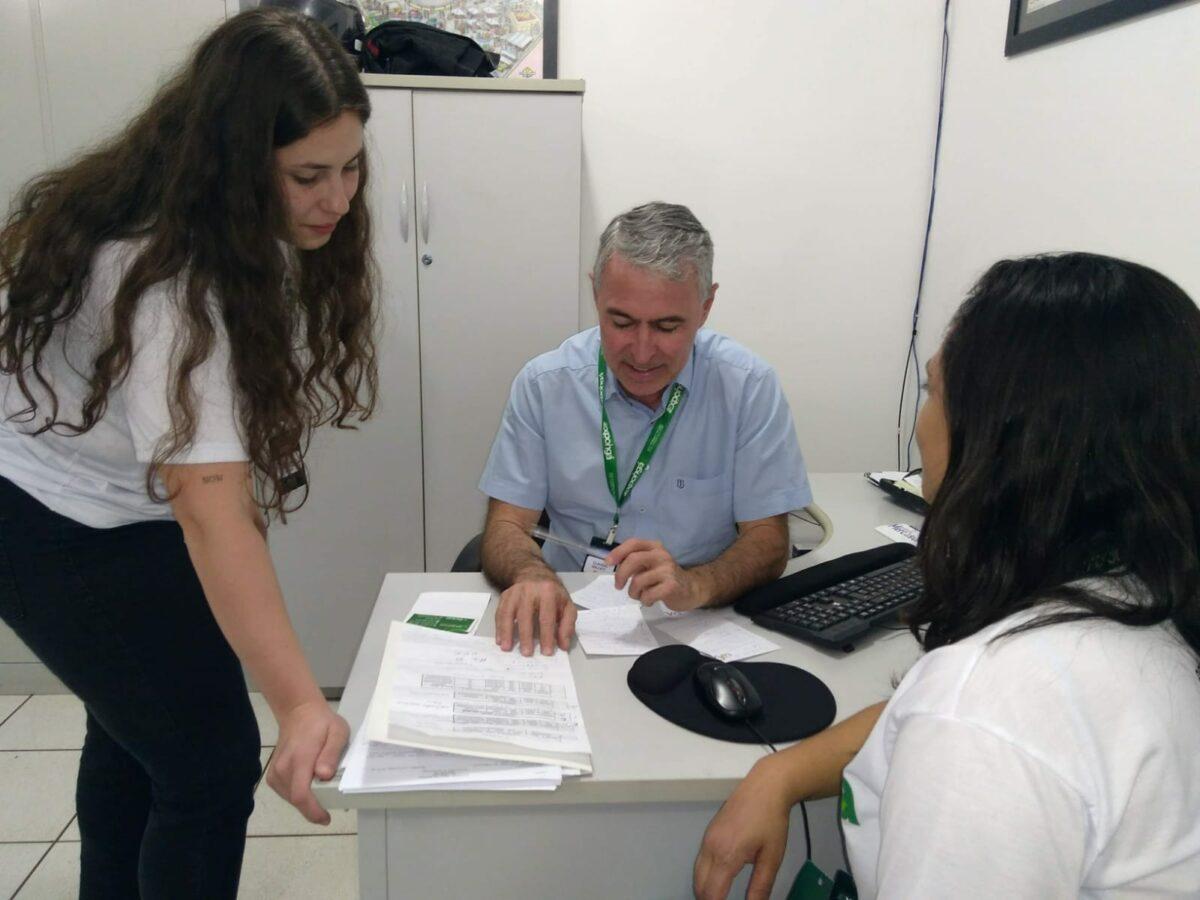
(538, 607)
(752, 828)
(654, 575)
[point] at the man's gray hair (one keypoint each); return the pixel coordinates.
(663, 237)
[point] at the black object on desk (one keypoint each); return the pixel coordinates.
(795, 703)
(726, 690)
(836, 602)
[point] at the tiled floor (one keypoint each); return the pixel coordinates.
(40, 740)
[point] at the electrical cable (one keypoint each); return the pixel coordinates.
(910, 359)
(803, 809)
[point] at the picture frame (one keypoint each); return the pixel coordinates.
(1035, 23)
(523, 33)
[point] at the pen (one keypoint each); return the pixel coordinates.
(538, 531)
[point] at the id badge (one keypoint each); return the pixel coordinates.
(813, 884)
(595, 561)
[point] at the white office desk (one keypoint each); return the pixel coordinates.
(632, 828)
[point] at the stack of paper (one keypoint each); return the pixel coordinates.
(455, 712)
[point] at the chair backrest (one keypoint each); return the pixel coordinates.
(470, 557)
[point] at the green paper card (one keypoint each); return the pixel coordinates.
(442, 623)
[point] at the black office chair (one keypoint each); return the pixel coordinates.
(470, 557)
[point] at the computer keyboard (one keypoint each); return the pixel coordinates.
(836, 615)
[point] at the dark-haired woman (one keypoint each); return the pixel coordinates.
(1048, 744)
(180, 308)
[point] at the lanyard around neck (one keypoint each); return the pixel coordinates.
(608, 444)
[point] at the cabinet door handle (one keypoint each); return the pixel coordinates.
(404, 211)
(425, 212)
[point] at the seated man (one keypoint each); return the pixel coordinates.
(691, 460)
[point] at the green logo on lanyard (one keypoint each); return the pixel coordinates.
(608, 446)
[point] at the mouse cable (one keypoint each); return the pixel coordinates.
(803, 809)
(910, 358)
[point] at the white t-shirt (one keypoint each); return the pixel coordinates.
(1061, 762)
(99, 478)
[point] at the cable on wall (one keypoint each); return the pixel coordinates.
(911, 362)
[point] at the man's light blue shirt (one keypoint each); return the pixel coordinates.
(730, 454)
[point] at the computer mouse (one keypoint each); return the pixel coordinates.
(727, 691)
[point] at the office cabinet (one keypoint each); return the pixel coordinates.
(498, 176)
(475, 199)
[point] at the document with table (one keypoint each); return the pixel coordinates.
(455, 712)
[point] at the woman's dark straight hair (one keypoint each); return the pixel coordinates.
(194, 177)
(1071, 387)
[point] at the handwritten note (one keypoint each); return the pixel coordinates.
(715, 636)
(614, 631)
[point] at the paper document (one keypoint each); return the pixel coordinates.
(456, 613)
(614, 631)
(900, 533)
(377, 767)
(464, 694)
(602, 593)
(715, 636)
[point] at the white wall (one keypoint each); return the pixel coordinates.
(1089, 144)
(23, 145)
(72, 72)
(801, 134)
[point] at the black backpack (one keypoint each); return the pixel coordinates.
(413, 48)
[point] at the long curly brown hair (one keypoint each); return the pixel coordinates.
(193, 177)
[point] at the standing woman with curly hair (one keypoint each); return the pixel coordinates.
(179, 309)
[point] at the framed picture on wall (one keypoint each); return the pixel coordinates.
(522, 33)
(1035, 23)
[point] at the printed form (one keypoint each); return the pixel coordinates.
(464, 694)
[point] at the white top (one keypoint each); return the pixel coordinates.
(99, 478)
(1061, 762)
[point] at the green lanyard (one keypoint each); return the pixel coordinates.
(608, 446)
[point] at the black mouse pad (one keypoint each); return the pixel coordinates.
(795, 703)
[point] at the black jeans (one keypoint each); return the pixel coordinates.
(171, 757)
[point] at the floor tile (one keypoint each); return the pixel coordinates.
(9, 703)
(72, 832)
(300, 868)
(17, 861)
(37, 793)
(56, 877)
(45, 722)
(28, 678)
